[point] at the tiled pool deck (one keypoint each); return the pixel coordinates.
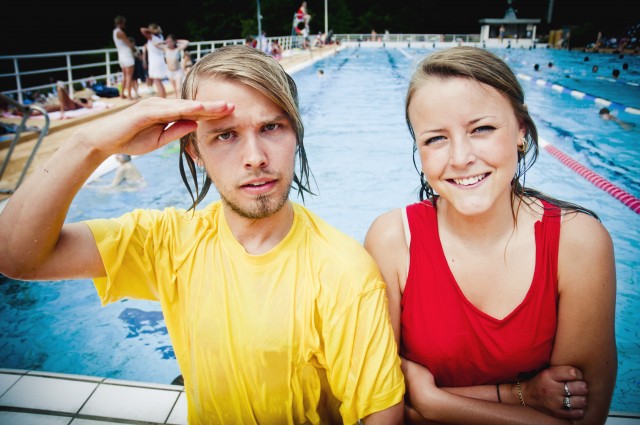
(41, 398)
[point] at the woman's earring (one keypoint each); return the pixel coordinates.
(524, 146)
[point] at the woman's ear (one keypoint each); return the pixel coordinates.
(522, 132)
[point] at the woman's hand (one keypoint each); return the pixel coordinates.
(546, 391)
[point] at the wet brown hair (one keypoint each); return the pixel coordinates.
(485, 67)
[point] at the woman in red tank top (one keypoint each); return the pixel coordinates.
(502, 298)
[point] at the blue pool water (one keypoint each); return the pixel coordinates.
(360, 153)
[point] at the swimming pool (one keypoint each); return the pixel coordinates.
(360, 153)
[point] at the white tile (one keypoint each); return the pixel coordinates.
(179, 412)
(15, 371)
(122, 402)
(7, 381)
(67, 376)
(15, 418)
(143, 384)
(37, 392)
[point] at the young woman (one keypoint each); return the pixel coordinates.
(502, 298)
(125, 55)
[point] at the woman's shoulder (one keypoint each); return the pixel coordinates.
(579, 228)
(386, 229)
(388, 219)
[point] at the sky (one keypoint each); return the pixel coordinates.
(65, 25)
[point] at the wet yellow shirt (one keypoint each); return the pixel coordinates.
(300, 334)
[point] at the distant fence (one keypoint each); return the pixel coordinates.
(21, 76)
(409, 38)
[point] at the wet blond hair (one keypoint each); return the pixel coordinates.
(254, 68)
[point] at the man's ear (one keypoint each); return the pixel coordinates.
(190, 148)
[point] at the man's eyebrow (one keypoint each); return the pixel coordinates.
(221, 130)
(228, 129)
(280, 117)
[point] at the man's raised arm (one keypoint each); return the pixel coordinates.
(36, 243)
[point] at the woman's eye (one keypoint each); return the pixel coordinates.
(484, 129)
(433, 140)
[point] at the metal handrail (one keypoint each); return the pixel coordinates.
(20, 74)
(31, 72)
(26, 112)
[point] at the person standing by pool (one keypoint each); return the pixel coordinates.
(125, 55)
(279, 313)
(173, 49)
(187, 61)
(502, 298)
(156, 65)
(139, 73)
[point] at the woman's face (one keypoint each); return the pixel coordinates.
(467, 135)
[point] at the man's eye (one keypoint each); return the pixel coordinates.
(224, 136)
(271, 127)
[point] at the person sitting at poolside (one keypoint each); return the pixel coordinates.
(64, 103)
(302, 15)
(606, 115)
(276, 49)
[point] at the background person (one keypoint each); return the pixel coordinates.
(173, 49)
(139, 73)
(276, 49)
(127, 173)
(156, 65)
(64, 102)
(275, 316)
(606, 115)
(125, 55)
(302, 15)
(491, 285)
(187, 61)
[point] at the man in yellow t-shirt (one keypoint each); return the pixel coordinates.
(275, 316)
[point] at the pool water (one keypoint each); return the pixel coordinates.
(360, 153)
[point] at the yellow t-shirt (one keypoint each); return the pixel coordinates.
(300, 334)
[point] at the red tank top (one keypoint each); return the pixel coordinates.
(461, 345)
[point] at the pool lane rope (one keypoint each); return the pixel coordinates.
(581, 95)
(597, 180)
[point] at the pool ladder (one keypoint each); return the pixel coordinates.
(26, 114)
